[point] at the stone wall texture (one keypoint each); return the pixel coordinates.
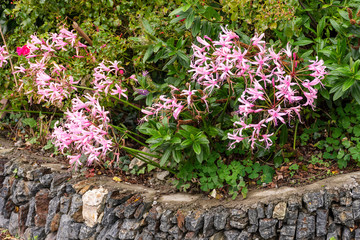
(40, 202)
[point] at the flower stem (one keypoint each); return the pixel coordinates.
(296, 128)
(123, 101)
(28, 111)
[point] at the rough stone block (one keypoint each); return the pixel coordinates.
(93, 205)
(321, 222)
(313, 201)
(343, 215)
(267, 228)
(42, 200)
(194, 221)
(305, 228)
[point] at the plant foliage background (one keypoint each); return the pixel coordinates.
(142, 54)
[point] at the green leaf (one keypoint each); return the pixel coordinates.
(148, 53)
(321, 26)
(190, 129)
(149, 99)
(336, 26)
(303, 42)
(189, 19)
(186, 143)
(196, 26)
(177, 155)
(284, 135)
(196, 147)
(348, 83)
(148, 27)
(177, 11)
(165, 156)
(29, 122)
(338, 94)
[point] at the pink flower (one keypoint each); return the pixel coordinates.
(23, 51)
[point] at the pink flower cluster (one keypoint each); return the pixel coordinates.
(180, 100)
(43, 76)
(23, 51)
(275, 87)
(3, 56)
(103, 82)
(85, 131)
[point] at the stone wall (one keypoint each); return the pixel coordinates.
(45, 202)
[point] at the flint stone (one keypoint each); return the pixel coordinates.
(347, 234)
(343, 215)
(74, 230)
(313, 201)
(55, 222)
(4, 223)
(130, 224)
(76, 208)
(291, 216)
(346, 201)
(280, 211)
(109, 217)
(131, 205)
(86, 232)
(331, 235)
(23, 191)
(116, 198)
(267, 228)
(125, 234)
(218, 236)
(269, 210)
(6, 186)
(189, 236)
(252, 228)
(23, 212)
(93, 205)
(356, 209)
(244, 235)
(238, 219)
(46, 180)
(321, 222)
(51, 236)
(288, 231)
(64, 228)
(37, 233)
(231, 234)
(165, 224)
(331, 196)
(14, 224)
(253, 218)
(357, 233)
(260, 211)
(53, 209)
(31, 213)
(36, 173)
(176, 232)
(142, 208)
(305, 226)
(9, 207)
(194, 222)
(42, 200)
(64, 204)
(355, 192)
(69, 189)
(208, 228)
(57, 186)
(220, 218)
(145, 236)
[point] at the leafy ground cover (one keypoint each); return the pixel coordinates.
(223, 98)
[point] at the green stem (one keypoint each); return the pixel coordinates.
(28, 111)
(137, 153)
(296, 128)
(127, 134)
(127, 130)
(123, 101)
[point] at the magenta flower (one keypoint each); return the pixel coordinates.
(23, 51)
